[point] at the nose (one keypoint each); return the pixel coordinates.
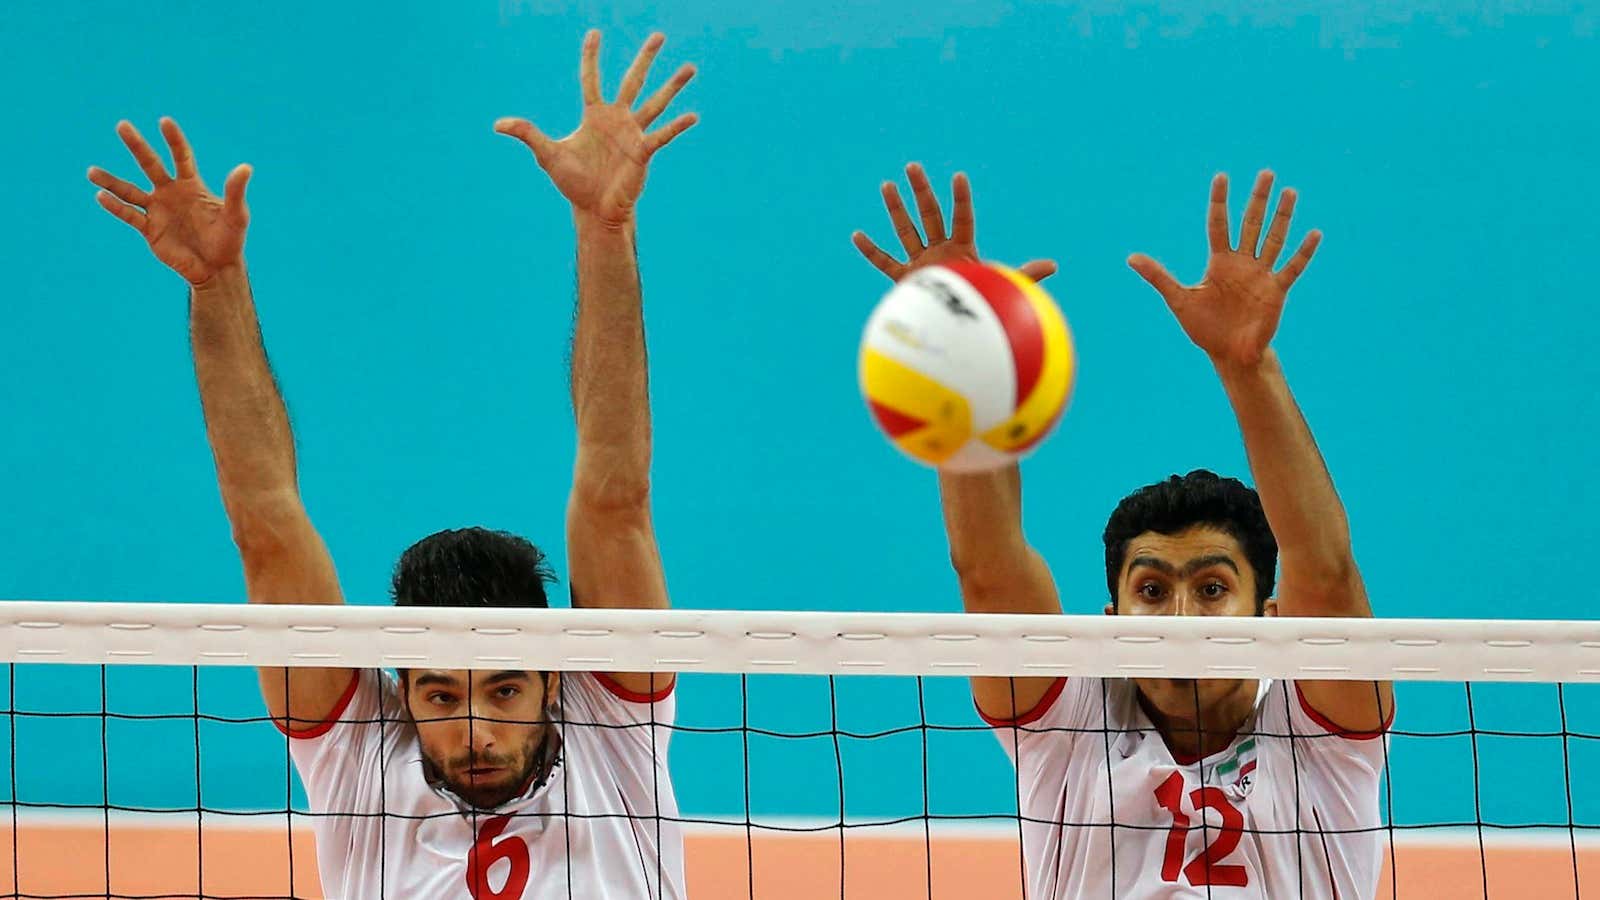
(1184, 603)
(480, 735)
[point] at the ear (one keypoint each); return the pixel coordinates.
(1270, 608)
(552, 687)
(1111, 608)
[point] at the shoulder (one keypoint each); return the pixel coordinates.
(1284, 703)
(1286, 720)
(1071, 719)
(599, 694)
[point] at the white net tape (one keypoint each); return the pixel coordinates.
(784, 760)
(800, 642)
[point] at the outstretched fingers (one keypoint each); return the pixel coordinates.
(1297, 263)
(633, 79)
(1255, 213)
(125, 191)
(1038, 269)
(233, 206)
(665, 135)
(653, 107)
(1217, 215)
(963, 221)
(589, 68)
(1278, 233)
(1157, 276)
(182, 154)
(129, 214)
(901, 219)
(880, 260)
(927, 203)
(529, 134)
(657, 103)
(143, 154)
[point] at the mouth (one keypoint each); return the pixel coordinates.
(484, 773)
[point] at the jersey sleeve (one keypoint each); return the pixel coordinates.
(1339, 770)
(338, 759)
(630, 731)
(1072, 709)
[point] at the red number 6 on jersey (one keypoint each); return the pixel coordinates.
(485, 853)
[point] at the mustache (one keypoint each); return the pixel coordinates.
(481, 761)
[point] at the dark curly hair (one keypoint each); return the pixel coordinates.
(1178, 503)
(472, 567)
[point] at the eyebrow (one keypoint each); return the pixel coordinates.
(1192, 566)
(440, 679)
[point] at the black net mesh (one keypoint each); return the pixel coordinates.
(133, 781)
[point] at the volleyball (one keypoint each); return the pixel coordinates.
(967, 366)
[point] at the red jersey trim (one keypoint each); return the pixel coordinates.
(622, 693)
(1032, 715)
(1327, 725)
(328, 721)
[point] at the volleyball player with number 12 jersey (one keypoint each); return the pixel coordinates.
(490, 785)
(1182, 788)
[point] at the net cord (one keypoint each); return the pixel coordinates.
(799, 642)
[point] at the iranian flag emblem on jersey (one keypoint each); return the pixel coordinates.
(1237, 767)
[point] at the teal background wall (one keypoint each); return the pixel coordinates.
(414, 275)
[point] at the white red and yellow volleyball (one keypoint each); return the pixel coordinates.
(967, 366)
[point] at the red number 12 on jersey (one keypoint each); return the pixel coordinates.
(485, 853)
(1203, 869)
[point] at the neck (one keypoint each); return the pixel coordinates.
(1196, 737)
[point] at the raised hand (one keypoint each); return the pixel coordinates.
(1233, 313)
(194, 232)
(938, 247)
(600, 168)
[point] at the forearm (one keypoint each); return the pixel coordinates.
(1296, 490)
(246, 422)
(610, 382)
(999, 572)
(612, 555)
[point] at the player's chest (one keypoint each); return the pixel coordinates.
(536, 850)
(1202, 825)
(520, 854)
(1141, 783)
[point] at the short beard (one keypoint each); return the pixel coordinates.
(541, 753)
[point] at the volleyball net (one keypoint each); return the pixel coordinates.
(814, 755)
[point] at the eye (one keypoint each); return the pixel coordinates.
(1150, 590)
(1213, 590)
(440, 698)
(506, 692)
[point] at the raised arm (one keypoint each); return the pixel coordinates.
(612, 557)
(1232, 315)
(201, 237)
(999, 572)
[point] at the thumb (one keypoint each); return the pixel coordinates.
(528, 133)
(233, 205)
(1157, 275)
(1038, 269)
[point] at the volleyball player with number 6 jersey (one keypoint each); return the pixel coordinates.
(1182, 788)
(490, 785)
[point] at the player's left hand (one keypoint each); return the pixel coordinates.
(600, 168)
(1233, 313)
(933, 246)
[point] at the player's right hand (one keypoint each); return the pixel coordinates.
(936, 247)
(600, 168)
(197, 234)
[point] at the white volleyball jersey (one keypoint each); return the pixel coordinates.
(1288, 809)
(592, 831)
